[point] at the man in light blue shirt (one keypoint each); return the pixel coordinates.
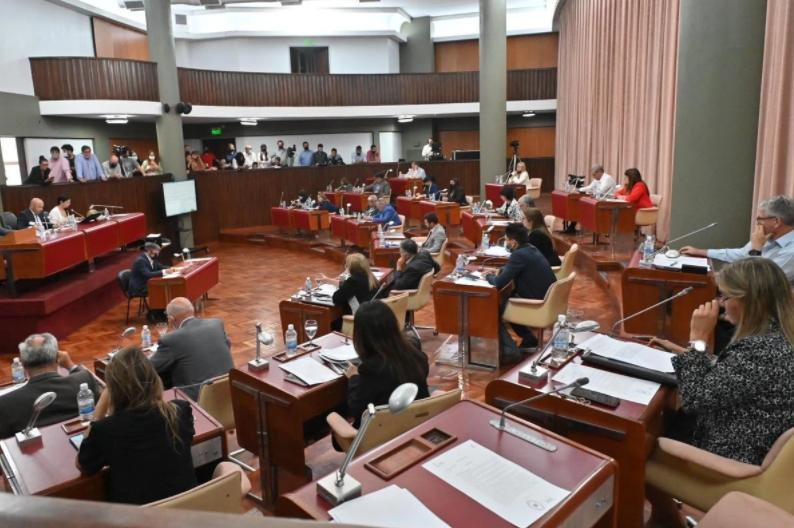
(306, 156)
(386, 213)
(773, 238)
(87, 166)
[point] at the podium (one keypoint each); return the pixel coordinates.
(493, 192)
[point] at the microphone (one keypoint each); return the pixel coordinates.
(281, 200)
(262, 338)
(75, 213)
(685, 291)
(30, 432)
(674, 253)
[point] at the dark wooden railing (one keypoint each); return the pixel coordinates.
(56, 78)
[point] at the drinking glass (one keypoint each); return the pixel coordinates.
(162, 329)
(310, 326)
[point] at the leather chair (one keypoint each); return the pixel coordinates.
(385, 426)
(540, 314)
(533, 189)
(215, 397)
(222, 494)
(8, 220)
(418, 299)
(739, 510)
(700, 478)
(398, 305)
(439, 257)
(568, 261)
(123, 279)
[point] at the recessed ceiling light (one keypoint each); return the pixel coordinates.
(405, 119)
(529, 113)
(116, 119)
(248, 122)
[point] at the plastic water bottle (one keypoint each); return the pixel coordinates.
(85, 403)
(560, 344)
(648, 249)
(308, 285)
(460, 265)
(17, 371)
(291, 338)
(486, 243)
(146, 337)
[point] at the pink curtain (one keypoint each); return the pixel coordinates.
(616, 89)
(774, 159)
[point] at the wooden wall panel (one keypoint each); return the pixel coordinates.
(523, 52)
(60, 78)
(537, 142)
(114, 41)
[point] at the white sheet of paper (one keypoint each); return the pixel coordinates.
(497, 251)
(171, 275)
(499, 223)
(661, 261)
(472, 282)
(510, 491)
(309, 370)
(378, 274)
(390, 507)
(628, 352)
(617, 385)
(340, 353)
(328, 289)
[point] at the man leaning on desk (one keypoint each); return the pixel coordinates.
(41, 358)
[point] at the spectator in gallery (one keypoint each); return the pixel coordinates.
(320, 157)
(60, 172)
(208, 157)
(249, 157)
(280, 152)
(373, 156)
(196, 164)
(40, 174)
(188, 150)
(150, 167)
(263, 160)
(68, 153)
(276, 162)
(129, 164)
(230, 157)
(88, 167)
(357, 156)
(306, 156)
(335, 158)
(112, 167)
(427, 150)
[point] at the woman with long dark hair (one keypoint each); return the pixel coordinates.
(539, 235)
(634, 190)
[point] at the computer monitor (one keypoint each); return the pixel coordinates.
(179, 197)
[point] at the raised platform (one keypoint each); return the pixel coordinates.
(63, 303)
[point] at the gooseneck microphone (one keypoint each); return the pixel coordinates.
(674, 253)
(578, 383)
(685, 291)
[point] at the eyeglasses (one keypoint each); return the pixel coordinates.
(764, 218)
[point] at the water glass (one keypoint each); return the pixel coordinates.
(310, 326)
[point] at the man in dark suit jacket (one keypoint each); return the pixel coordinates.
(196, 351)
(412, 266)
(32, 214)
(40, 356)
(144, 268)
(531, 274)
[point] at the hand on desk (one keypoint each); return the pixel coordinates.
(351, 371)
(703, 321)
(693, 252)
(667, 345)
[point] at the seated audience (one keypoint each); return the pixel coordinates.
(380, 187)
(335, 158)
(306, 157)
(129, 164)
(436, 235)
(520, 176)
(539, 235)
(773, 237)
(634, 190)
(150, 167)
(208, 157)
(344, 185)
(40, 174)
(389, 358)
(373, 156)
(144, 440)
(412, 265)
(386, 213)
(430, 189)
(68, 153)
(320, 158)
(112, 167)
(415, 171)
(737, 404)
(509, 206)
(33, 214)
(41, 358)
(249, 157)
(359, 287)
(87, 166)
(60, 172)
(372, 206)
(196, 350)
(324, 203)
(195, 163)
(456, 193)
(530, 272)
(59, 214)
(357, 156)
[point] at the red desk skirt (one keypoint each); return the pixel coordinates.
(493, 190)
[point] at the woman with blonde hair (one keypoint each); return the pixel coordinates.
(358, 287)
(144, 440)
(539, 235)
(520, 176)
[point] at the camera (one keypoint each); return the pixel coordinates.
(120, 150)
(514, 143)
(291, 151)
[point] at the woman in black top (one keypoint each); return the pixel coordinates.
(456, 193)
(539, 235)
(360, 285)
(144, 440)
(389, 358)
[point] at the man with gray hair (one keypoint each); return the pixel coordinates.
(41, 358)
(601, 186)
(196, 350)
(773, 237)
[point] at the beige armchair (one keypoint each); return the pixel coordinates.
(739, 510)
(568, 261)
(398, 305)
(222, 494)
(533, 189)
(400, 228)
(385, 426)
(540, 314)
(439, 257)
(648, 216)
(418, 299)
(215, 397)
(700, 478)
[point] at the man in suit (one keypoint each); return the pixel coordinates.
(412, 266)
(195, 351)
(41, 358)
(530, 272)
(436, 235)
(34, 213)
(144, 268)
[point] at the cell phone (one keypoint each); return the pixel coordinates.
(76, 440)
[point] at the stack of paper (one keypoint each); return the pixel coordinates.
(339, 354)
(628, 352)
(326, 289)
(497, 251)
(662, 261)
(617, 385)
(390, 507)
(309, 370)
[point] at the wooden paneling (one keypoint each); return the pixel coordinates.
(537, 142)
(114, 41)
(57, 78)
(523, 52)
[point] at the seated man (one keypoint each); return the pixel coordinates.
(532, 276)
(773, 238)
(144, 268)
(380, 187)
(324, 203)
(415, 171)
(40, 356)
(386, 213)
(430, 189)
(40, 174)
(33, 214)
(602, 184)
(412, 265)
(372, 205)
(195, 351)
(525, 202)
(436, 235)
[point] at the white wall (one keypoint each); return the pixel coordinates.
(271, 54)
(37, 28)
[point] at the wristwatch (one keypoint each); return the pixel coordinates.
(755, 252)
(698, 345)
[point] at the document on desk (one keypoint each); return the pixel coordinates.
(628, 352)
(660, 260)
(617, 385)
(472, 281)
(390, 507)
(326, 289)
(340, 353)
(510, 491)
(309, 370)
(497, 251)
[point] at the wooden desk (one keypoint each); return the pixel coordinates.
(385, 255)
(408, 207)
(100, 238)
(400, 185)
(493, 191)
(589, 475)
(627, 433)
(37, 258)
(357, 201)
(565, 205)
(607, 216)
(132, 227)
(310, 220)
(47, 468)
(474, 224)
(335, 197)
(270, 413)
(195, 279)
(357, 232)
(448, 212)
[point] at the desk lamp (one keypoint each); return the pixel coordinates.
(31, 433)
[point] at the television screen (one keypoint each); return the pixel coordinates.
(179, 197)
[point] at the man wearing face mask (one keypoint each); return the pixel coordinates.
(280, 153)
(231, 156)
(532, 276)
(320, 157)
(264, 158)
(306, 156)
(129, 164)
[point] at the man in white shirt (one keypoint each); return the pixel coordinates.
(250, 157)
(601, 186)
(415, 171)
(427, 150)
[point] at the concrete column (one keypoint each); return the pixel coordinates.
(170, 141)
(417, 55)
(493, 90)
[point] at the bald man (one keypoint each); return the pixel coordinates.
(35, 212)
(372, 205)
(194, 351)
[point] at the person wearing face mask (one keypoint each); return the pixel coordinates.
(264, 158)
(68, 153)
(373, 156)
(209, 158)
(129, 164)
(530, 272)
(60, 172)
(320, 157)
(249, 158)
(456, 193)
(306, 156)
(357, 156)
(112, 167)
(230, 157)
(40, 174)
(150, 167)
(280, 151)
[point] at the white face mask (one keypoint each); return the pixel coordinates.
(151, 158)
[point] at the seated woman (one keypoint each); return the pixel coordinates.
(344, 185)
(360, 285)
(539, 235)
(456, 193)
(389, 358)
(303, 196)
(144, 440)
(509, 206)
(740, 402)
(520, 176)
(634, 190)
(324, 203)
(59, 214)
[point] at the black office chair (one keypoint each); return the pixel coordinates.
(8, 220)
(124, 283)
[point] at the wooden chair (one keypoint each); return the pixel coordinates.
(700, 478)
(418, 299)
(439, 257)
(540, 314)
(533, 189)
(123, 279)
(215, 397)
(568, 261)
(739, 510)
(398, 305)
(222, 494)
(385, 426)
